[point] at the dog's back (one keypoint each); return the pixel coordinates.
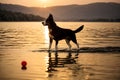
(60, 33)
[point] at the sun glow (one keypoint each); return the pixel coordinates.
(44, 3)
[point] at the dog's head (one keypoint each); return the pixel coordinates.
(49, 20)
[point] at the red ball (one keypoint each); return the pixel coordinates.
(23, 63)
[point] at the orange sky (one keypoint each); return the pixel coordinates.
(47, 3)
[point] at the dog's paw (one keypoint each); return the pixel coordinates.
(49, 50)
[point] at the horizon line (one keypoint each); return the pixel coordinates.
(57, 5)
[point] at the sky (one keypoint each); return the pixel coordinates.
(48, 3)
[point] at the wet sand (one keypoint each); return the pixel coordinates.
(59, 65)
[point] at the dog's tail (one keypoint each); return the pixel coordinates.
(79, 29)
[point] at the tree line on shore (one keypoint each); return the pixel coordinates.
(18, 16)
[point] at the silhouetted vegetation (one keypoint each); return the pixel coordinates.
(98, 12)
(17, 16)
(100, 20)
(92, 20)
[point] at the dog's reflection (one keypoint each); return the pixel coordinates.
(56, 61)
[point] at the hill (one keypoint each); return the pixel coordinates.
(17, 16)
(71, 12)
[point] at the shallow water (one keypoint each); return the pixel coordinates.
(98, 58)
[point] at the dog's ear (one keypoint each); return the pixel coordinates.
(50, 15)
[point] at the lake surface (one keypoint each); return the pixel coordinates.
(98, 58)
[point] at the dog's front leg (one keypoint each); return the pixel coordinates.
(56, 48)
(50, 44)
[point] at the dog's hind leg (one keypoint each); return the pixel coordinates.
(75, 41)
(68, 43)
(50, 44)
(77, 44)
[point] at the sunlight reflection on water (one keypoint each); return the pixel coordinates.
(46, 34)
(29, 41)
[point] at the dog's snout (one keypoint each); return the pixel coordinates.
(44, 23)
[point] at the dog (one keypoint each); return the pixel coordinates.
(56, 33)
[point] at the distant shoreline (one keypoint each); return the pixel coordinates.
(92, 20)
(61, 21)
(95, 12)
